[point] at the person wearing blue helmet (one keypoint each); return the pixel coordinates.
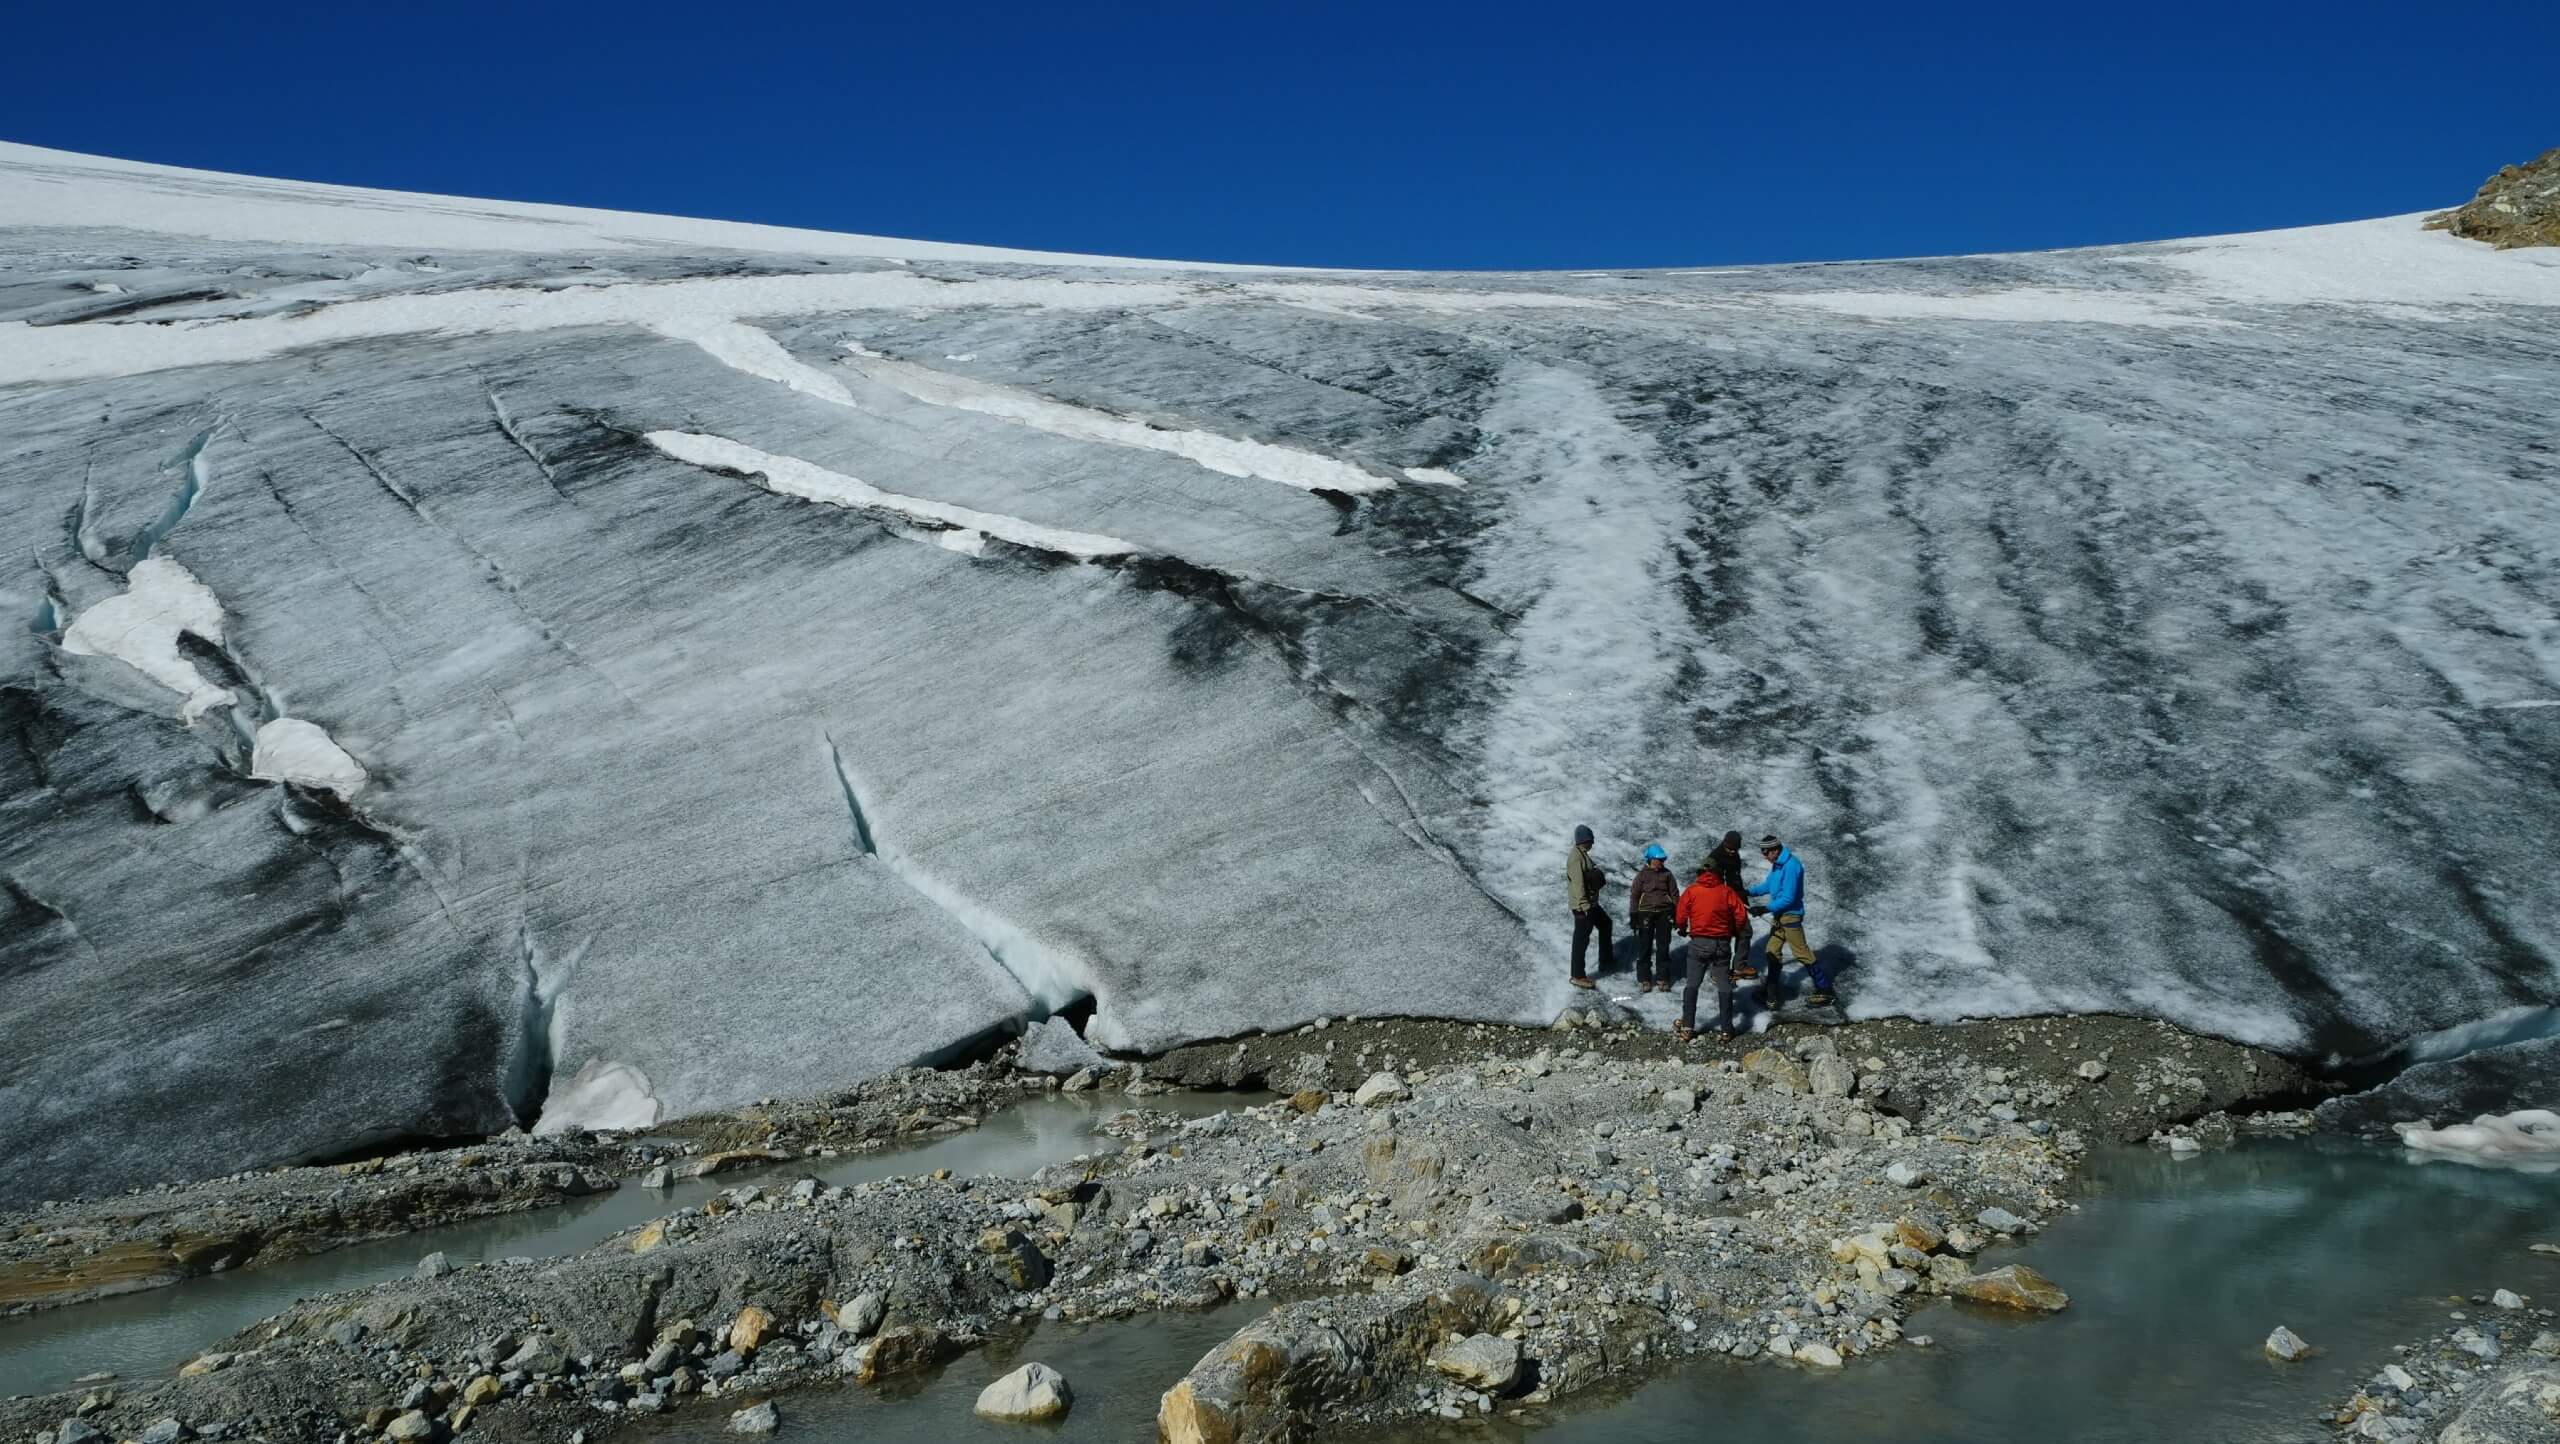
(1652, 896)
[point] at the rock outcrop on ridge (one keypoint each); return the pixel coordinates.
(481, 664)
(2519, 206)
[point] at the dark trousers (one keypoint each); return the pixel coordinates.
(1653, 947)
(1586, 922)
(1710, 959)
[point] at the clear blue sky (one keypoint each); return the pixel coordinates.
(1476, 134)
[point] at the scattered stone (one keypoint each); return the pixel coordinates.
(410, 1428)
(1030, 1394)
(166, 1431)
(2000, 1220)
(2092, 1071)
(1831, 1076)
(1904, 1175)
(2506, 1299)
(759, 1419)
(433, 1266)
(2014, 1286)
(2286, 1347)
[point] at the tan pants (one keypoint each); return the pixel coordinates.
(1786, 931)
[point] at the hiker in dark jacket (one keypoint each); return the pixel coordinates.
(1651, 898)
(1583, 880)
(1726, 863)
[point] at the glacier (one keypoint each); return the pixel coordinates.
(484, 664)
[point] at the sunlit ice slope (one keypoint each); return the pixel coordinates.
(475, 663)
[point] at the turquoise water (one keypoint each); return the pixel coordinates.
(155, 1331)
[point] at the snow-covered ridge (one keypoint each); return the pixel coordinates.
(41, 187)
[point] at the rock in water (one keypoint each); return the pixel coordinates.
(759, 1419)
(2286, 1346)
(1030, 1394)
(905, 1349)
(1480, 1361)
(380, 512)
(2014, 1286)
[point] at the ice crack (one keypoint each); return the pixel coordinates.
(1052, 980)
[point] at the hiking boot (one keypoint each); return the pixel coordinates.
(1584, 983)
(1818, 1000)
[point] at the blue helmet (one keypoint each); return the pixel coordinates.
(1653, 852)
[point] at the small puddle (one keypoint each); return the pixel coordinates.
(153, 1332)
(2177, 1271)
(1118, 1372)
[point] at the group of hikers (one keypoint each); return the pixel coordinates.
(1713, 912)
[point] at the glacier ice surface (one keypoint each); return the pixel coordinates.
(2166, 629)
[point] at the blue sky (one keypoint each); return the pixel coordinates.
(1478, 135)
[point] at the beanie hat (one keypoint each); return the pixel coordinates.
(1582, 836)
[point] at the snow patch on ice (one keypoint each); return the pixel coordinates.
(140, 627)
(602, 1095)
(2527, 1139)
(1226, 455)
(1583, 555)
(290, 749)
(1433, 476)
(745, 348)
(2393, 264)
(791, 476)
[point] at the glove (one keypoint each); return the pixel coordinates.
(1759, 912)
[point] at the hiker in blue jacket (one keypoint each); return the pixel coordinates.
(1781, 896)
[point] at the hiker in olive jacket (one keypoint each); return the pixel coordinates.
(1651, 896)
(1583, 880)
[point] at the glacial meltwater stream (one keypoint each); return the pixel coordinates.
(2177, 1269)
(154, 1331)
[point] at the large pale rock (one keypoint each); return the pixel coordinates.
(1030, 1394)
(2014, 1286)
(1480, 1361)
(1831, 1076)
(1776, 1069)
(2286, 1347)
(1380, 1088)
(748, 1331)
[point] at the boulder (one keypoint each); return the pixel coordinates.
(748, 1331)
(1030, 1394)
(1381, 1088)
(757, 1419)
(2286, 1347)
(904, 1349)
(1776, 1069)
(1831, 1076)
(433, 1266)
(1261, 1384)
(1480, 1361)
(860, 1315)
(409, 1428)
(2014, 1286)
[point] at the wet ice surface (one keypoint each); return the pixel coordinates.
(154, 1331)
(2177, 1272)
(2164, 629)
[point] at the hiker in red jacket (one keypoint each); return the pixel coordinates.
(1713, 917)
